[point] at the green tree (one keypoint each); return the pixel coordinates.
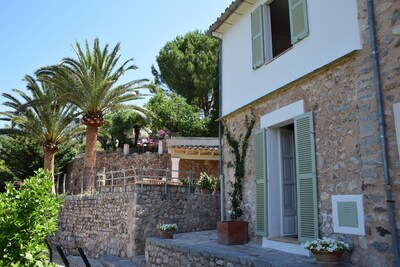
(173, 113)
(43, 117)
(27, 216)
(6, 175)
(121, 122)
(21, 155)
(89, 83)
(189, 67)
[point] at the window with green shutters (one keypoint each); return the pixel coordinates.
(260, 171)
(275, 27)
(306, 177)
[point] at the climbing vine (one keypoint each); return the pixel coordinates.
(239, 149)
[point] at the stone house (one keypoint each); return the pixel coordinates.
(321, 79)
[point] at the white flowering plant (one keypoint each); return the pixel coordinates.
(326, 244)
(167, 227)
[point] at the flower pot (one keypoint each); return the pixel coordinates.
(205, 191)
(232, 232)
(326, 258)
(167, 234)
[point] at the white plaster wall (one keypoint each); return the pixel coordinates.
(334, 32)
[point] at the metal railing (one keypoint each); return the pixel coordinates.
(126, 177)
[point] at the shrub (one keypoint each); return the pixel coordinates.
(6, 175)
(27, 216)
(206, 181)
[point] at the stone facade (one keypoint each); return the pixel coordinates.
(348, 150)
(208, 166)
(118, 223)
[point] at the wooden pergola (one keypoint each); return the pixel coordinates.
(194, 152)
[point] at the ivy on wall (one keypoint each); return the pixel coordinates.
(239, 149)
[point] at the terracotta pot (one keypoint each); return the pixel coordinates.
(167, 234)
(326, 258)
(232, 232)
(205, 191)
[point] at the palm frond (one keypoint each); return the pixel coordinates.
(89, 81)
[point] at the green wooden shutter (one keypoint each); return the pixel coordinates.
(298, 20)
(306, 177)
(257, 37)
(260, 172)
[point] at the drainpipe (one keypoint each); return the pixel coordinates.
(221, 172)
(382, 131)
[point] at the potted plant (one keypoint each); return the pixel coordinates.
(167, 230)
(206, 183)
(327, 250)
(235, 231)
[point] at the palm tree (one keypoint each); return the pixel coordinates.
(90, 84)
(43, 117)
(121, 122)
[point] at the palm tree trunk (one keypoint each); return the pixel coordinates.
(49, 155)
(89, 170)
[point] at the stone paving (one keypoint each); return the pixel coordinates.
(204, 244)
(76, 261)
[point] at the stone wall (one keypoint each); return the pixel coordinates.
(117, 161)
(348, 151)
(113, 162)
(118, 223)
(165, 255)
(211, 167)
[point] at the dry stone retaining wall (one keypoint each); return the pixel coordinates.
(158, 255)
(117, 162)
(118, 223)
(113, 162)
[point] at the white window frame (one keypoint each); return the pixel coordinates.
(266, 32)
(360, 229)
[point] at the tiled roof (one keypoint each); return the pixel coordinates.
(196, 147)
(194, 152)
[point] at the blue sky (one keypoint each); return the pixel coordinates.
(39, 33)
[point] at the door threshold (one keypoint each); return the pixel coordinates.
(286, 239)
(279, 244)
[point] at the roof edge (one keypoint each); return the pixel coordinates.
(224, 16)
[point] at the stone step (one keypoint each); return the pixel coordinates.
(140, 261)
(113, 261)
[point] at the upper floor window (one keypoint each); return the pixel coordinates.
(275, 27)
